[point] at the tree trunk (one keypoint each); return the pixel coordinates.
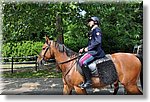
(59, 31)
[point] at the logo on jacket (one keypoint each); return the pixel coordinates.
(98, 33)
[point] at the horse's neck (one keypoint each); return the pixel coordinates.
(62, 57)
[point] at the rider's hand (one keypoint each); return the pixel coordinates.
(86, 49)
(81, 50)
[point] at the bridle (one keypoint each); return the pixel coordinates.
(47, 48)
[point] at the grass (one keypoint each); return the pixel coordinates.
(32, 74)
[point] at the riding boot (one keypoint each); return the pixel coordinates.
(87, 75)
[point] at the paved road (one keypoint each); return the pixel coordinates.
(43, 86)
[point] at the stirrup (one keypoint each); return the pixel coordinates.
(85, 85)
(81, 85)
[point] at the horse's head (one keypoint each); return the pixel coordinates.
(46, 52)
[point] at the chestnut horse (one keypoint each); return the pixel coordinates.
(128, 68)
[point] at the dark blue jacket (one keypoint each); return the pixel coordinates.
(95, 43)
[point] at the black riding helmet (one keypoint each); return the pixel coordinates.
(95, 19)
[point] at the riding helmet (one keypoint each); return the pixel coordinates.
(95, 19)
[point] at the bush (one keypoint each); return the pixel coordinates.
(75, 43)
(19, 49)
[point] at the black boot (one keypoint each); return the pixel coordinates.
(87, 75)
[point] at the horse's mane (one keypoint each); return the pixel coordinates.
(63, 48)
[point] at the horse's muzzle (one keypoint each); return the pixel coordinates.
(40, 61)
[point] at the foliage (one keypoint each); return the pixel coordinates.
(121, 24)
(19, 49)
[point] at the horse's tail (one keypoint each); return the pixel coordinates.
(140, 57)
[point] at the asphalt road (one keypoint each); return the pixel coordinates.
(44, 86)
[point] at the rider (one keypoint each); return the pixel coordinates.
(93, 50)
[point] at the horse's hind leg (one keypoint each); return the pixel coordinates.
(116, 87)
(132, 89)
(80, 91)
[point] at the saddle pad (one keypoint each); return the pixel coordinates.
(107, 72)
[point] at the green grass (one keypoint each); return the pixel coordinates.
(38, 74)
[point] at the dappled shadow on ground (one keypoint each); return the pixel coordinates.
(31, 86)
(44, 86)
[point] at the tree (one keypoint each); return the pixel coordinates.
(121, 23)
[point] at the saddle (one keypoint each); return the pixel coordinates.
(103, 68)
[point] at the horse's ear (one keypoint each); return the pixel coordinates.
(46, 39)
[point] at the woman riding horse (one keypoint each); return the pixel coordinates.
(93, 50)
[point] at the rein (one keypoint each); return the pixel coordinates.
(71, 66)
(70, 59)
(47, 48)
(69, 69)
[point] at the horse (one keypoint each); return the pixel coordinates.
(128, 68)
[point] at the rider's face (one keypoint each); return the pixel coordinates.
(91, 23)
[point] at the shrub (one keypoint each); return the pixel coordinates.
(20, 49)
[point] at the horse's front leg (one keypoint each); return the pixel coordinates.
(67, 90)
(80, 91)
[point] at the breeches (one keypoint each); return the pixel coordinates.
(85, 59)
